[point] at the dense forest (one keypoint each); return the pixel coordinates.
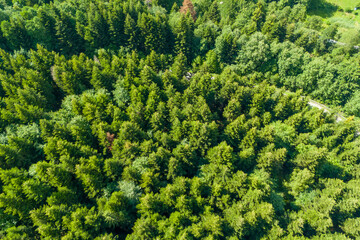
(171, 119)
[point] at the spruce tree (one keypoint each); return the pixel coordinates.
(48, 22)
(213, 13)
(97, 30)
(69, 42)
(131, 32)
(116, 19)
(185, 37)
(16, 33)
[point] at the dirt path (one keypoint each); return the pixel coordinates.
(339, 116)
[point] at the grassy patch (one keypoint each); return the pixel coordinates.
(340, 12)
(344, 4)
(345, 20)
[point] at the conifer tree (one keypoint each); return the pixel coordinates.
(147, 28)
(16, 33)
(48, 22)
(97, 31)
(69, 42)
(116, 18)
(185, 37)
(131, 32)
(213, 13)
(174, 8)
(259, 14)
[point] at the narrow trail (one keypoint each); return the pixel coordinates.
(339, 116)
(340, 43)
(312, 103)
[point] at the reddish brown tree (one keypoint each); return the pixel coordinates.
(110, 138)
(186, 7)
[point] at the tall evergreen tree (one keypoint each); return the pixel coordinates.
(69, 41)
(184, 39)
(131, 32)
(16, 33)
(213, 13)
(97, 30)
(116, 19)
(48, 21)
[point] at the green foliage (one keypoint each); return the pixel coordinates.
(129, 119)
(226, 46)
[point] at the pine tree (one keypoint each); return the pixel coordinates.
(259, 14)
(48, 22)
(96, 32)
(174, 8)
(184, 37)
(147, 28)
(131, 32)
(179, 66)
(69, 42)
(16, 33)
(116, 18)
(214, 14)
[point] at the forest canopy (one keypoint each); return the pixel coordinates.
(159, 119)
